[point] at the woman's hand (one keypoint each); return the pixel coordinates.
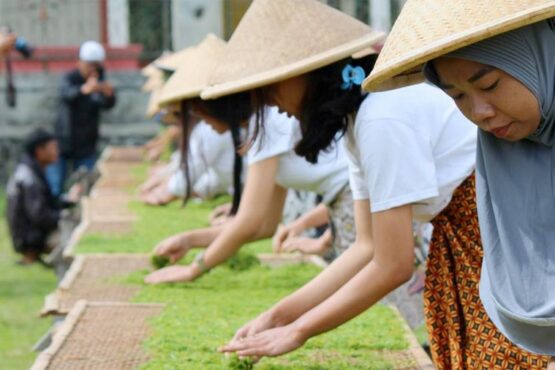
(283, 234)
(272, 342)
(173, 274)
(220, 215)
(159, 196)
(263, 322)
(305, 245)
(174, 247)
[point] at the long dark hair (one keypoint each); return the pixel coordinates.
(232, 110)
(326, 106)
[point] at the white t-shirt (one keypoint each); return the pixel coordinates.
(211, 157)
(278, 138)
(410, 146)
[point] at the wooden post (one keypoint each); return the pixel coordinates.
(104, 22)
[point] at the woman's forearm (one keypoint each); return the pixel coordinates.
(316, 217)
(235, 233)
(370, 285)
(391, 266)
(202, 238)
(322, 286)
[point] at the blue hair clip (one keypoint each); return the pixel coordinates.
(352, 76)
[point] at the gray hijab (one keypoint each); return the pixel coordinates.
(516, 194)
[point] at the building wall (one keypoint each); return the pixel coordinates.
(37, 99)
(192, 20)
(37, 103)
(52, 22)
(118, 22)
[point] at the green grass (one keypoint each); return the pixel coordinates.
(198, 317)
(201, 316)
(22, 291)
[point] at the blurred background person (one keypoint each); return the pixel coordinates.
(84, 92)
(33, 212)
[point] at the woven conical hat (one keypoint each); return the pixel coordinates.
(174, 60)
(193, 73)
(153, 106)
(427, 29)
(279, 39)
(148, 70)
(154, 81)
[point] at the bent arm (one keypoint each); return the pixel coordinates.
(318, 216)
(201, 238)
(262, 200)
(391, 266)
(69, 91)
(109, 99)
(333, 277)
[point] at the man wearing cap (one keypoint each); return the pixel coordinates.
(84, 92)
(32, 212)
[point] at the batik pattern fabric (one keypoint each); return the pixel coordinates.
(342, 221)
(460, 332)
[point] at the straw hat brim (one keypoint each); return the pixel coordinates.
(192, 75)
(153, 82)
(168, 98)
(293, 69)
(153, 106)
(407, 68)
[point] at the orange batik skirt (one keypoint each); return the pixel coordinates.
(460, 332)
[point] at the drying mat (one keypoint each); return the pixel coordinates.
(115, 222)
(94, 277)
(108, 207)
(106, 227)
(103, 191)
(115, 168)
(277, 260)
(110, 227)
(103, 336)
(122, 154)
(413, 358)
(119, 181)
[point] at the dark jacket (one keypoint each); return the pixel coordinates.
(77, 125)
(32, 211)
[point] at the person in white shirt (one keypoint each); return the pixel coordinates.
(412, 156)
(273, 167)
(211, 169)
(211, 164)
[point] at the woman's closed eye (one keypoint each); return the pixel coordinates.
(492, 86)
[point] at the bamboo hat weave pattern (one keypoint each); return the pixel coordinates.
(171, 62)
(192, 73)
(427, 29)
(279, 39)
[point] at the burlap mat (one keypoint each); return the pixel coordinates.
(414, 358)
(108, 207)
(103, 336)
(122, 154)
(95, 278)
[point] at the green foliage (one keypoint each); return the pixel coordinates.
(236, 363)
(159, 262)
(242, 261)
(201, 316)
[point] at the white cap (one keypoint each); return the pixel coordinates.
(92, 51)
